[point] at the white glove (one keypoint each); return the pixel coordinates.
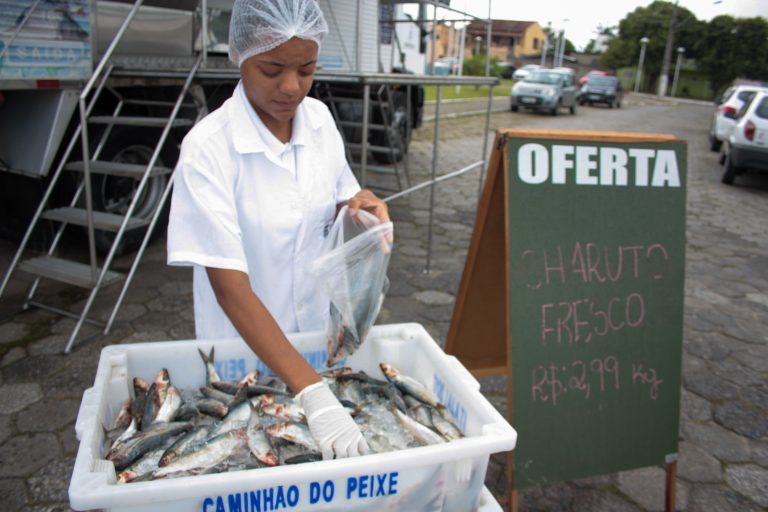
(334, 430)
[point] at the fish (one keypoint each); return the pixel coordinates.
(184, 444)
(259, 389)
(411, 386)
(289, 411)
(304, 458)
(258, 441)
(162, 384)
(124, 416)
(167, 411)
(140, 389)
(211, 407)
(212, 452)
(351, 390)
(236, 418)
(251, 378)
(210, 369)
(142, 442)
(419, 411)
(446, 428)
(215, 394)
(129, 432)
(423, 434)
(144, 465)
(294, 432)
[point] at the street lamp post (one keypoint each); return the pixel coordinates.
(639, 74)
(478, 40)
(680, 52)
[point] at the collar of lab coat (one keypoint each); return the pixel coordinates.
(246, 136)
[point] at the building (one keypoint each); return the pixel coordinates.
(510, 39)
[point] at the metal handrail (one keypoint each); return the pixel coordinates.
(84, 133)
(18, 30)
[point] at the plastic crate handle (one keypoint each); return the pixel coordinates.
(87, 415)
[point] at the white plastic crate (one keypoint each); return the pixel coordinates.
(445, 477)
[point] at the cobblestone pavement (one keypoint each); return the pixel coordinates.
(723, 462)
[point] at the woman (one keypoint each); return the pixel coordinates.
(258, 183)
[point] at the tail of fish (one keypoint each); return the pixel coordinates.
(210, 368)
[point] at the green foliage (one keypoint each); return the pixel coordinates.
(734, 48)
(652, 22)
(475, 66)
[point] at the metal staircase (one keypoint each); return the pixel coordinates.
(384, 121)
(96, 274)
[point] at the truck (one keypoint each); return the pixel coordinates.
(96, 96)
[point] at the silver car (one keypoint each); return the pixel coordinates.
(548, 90)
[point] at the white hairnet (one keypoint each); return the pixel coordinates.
(257, 26)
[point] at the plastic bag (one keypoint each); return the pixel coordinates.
(353, 272)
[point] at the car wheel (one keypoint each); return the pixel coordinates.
(573, 109)
(730, 170)
(714, 143)
(554, 109)
(513, 108)
(612, 104)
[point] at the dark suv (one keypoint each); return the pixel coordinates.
(602, 89)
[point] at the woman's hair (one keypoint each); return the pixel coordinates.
(258, 26)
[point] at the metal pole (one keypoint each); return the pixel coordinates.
(562, 48)
(364, 141)
(664, 77)
(544, 52)
(556, 52)
(435, 139)
(680, 52)
(204, 26)
(359, 40)
(434, 40)
(488, 42)
(485, 141)
(461, 54)
(638, 76)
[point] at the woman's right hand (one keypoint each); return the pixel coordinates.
(335, 432)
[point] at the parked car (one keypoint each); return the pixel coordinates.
(602, 89)
(506, 70)
(728, 105)
(594, 72)
(523, 72)
(547, 90)
(746, 145)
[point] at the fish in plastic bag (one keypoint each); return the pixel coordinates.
(352, 270)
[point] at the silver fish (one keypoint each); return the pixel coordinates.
(289, 411)
(162, 383)
(236, 418)
(258, 442)
(167, 411)
(213, 452)
(211, 407)
(250, 379)
(446, 428)
(184, 444)
(421, 433)
(294, 432)
(123, 418)
(134, 448)
(411, 386)
(419, 411)
(146, 464)
(221, 396)
(140, 389)
(210, 369)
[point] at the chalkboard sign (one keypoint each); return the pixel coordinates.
(589, 252)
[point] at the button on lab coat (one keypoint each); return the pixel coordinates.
(236, 205)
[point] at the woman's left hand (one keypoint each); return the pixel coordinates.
(367, 200)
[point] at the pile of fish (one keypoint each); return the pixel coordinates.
(229, 426)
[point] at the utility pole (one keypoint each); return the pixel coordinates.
(664, 78)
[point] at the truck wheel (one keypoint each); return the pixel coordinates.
(397, 128)
(113, 194)
(730, 171)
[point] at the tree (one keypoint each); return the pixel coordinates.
(652, 22)
(734, 48)
(475, 66)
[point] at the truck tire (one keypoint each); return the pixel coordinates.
(397, 127)
(113, 194)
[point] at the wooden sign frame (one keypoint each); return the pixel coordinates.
(481, 325)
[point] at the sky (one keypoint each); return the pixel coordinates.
(580, 18)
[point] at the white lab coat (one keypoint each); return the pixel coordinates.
(238, 205)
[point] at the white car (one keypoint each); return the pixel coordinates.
(523, 72)
(746, 146)
(728, 106)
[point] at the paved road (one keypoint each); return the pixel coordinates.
(724, 422)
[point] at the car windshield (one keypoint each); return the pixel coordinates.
(530, 67)
(762, 109)
(603, 81)
(544, 77)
